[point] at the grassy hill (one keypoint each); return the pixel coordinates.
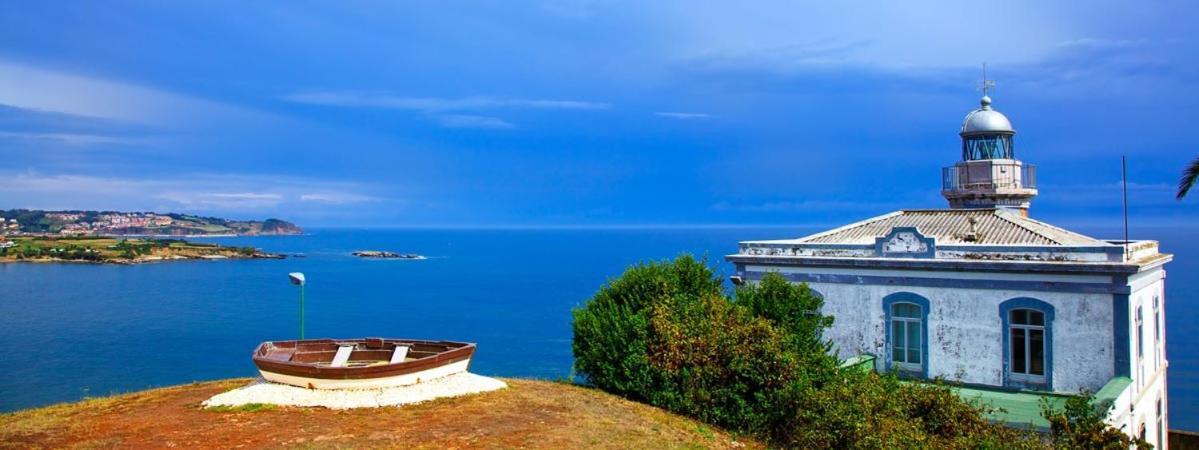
(117, 250)
(529, 414)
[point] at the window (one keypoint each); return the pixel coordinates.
(1140, 344)
(1028, 345)
(986, 147)
(1140, 335)
(907, 333)
(1161, 430)
(1157, 332)
(906, 338)
(1028, 342)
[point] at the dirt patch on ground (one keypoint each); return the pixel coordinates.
(529, 414)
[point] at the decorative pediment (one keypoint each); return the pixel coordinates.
(905, 242)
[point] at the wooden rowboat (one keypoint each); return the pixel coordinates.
(360, 363)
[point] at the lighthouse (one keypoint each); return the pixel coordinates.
(1020, 312)
(989, 175)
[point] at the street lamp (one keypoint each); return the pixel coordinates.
(297, 279)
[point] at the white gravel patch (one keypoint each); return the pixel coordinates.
(263, 391)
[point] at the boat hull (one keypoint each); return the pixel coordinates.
(363, 363)
(368, 383)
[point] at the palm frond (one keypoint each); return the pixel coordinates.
(1189, 175)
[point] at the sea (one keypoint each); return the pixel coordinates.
(70, 331)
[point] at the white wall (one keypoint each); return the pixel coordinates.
(1149, 372)
(965, 330)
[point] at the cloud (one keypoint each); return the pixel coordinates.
(571, 9)
(683, 115)
(223, 200)
(338, 198)
(191, 193)
(1096, 43)
(446, 111)
(1107, 194)
(472, 121)
(784, 59)
(434, 104)
(790, 36)
(803, 206)
(44, 90)
(73, 138)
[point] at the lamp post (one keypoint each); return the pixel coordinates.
(297, 279)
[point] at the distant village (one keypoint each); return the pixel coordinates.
(22, 222)
(107, 223)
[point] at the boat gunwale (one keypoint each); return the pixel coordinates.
(464, 351)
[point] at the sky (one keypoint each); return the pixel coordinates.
(585, 113)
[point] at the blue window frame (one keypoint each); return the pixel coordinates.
(1027, 342)
(907, 333)
(1140, 335)
(1157, 323)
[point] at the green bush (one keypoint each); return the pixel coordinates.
(667, 334)
(869, 410)
(1079, 424)
(717, 362)
(794, 309)
(611, 333)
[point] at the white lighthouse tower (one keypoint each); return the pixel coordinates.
(989, 175)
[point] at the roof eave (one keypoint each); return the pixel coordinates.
(1070, 267)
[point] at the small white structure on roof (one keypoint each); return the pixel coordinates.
(1013, 307)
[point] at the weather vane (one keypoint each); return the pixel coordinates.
(986, 84)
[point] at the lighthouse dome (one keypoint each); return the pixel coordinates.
(986, 120)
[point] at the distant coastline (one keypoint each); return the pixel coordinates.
(76, 223)
(118, 250)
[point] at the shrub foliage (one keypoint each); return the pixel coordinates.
(668, 334)
(1079, 425)
(611, 333)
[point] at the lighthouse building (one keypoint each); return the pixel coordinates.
(1015, 309)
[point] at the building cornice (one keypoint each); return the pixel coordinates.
(1103, 268)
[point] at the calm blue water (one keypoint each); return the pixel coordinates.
(73, 330)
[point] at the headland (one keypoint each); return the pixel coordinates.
(115, 250)
(528, 414)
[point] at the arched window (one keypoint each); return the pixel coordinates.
(1157, 333)
(1161, 429)
(1027, 342)
(1140, 344)
(907, 333)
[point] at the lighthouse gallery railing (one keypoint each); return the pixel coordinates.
(993, 175)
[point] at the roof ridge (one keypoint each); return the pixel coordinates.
(1007, 217)
(1014, 219)
(859, 223)
(1059, 229)
(963, 210)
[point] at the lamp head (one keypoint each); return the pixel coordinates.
(296, 278)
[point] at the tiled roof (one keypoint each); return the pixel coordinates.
(956, 226)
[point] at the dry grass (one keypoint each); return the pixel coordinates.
(529, 414)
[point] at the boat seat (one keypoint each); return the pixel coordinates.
(400, 353)
(281, 354)
(342, 356)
